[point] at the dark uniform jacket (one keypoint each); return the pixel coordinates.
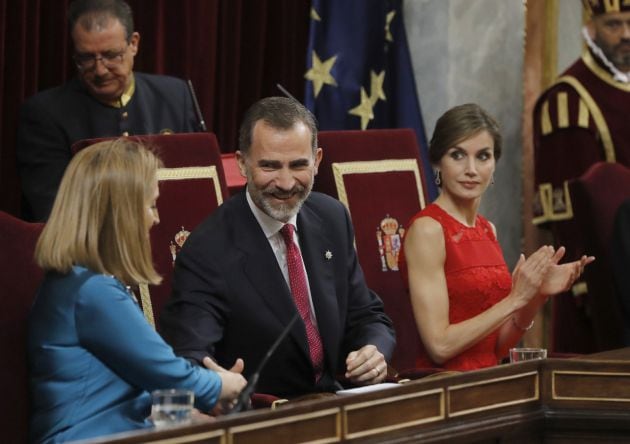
(52, 120)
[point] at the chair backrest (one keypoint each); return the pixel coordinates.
(235, 181)
(192, 185)
(378, 176)
(595, 198)
(19, 279)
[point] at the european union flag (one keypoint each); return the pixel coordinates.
(359, 72)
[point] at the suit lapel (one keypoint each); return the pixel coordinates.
(261, 268)
(314, 245)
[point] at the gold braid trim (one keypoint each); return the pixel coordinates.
(549, 214)
(206, 172)
(147, 306)
(598, 117)
(374, 166)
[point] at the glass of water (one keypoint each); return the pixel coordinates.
(172, 407)
(526, 354)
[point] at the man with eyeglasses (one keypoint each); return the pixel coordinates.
(106, 98)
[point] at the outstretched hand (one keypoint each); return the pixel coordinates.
(560, 278)
(232, 382)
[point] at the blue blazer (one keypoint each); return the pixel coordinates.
(230, 299)
(94, 359)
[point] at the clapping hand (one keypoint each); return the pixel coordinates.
(529, 275)
(560, 278)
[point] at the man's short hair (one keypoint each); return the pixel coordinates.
(279, 113)
(91, 13)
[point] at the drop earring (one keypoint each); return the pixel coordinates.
(438, 178)
(492, 179)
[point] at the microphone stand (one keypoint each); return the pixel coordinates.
(242, 401)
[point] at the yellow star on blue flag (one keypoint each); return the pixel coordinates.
(363, 110)
(319, 73)
(366, 78)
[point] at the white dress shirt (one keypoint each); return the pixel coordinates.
(271, 227)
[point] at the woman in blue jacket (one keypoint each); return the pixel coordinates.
(93, 357)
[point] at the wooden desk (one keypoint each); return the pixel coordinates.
(585, 400)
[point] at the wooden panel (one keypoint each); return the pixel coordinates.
(393, 413)
(591, 386)
(493, 393)
(317, 427)
(214, 437)
(175, 435)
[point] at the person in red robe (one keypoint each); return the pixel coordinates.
(579, 121)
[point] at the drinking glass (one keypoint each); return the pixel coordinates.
(527, 353)
(172, 407)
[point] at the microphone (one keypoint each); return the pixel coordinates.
(286, 93)
(243, 398)
(202, 123)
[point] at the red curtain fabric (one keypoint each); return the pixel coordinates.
(234, 51)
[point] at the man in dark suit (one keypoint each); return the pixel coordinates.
(105, 99)
(237, 279)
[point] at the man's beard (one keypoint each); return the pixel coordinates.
(280, 211)
(617, 56)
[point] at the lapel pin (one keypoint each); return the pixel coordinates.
(328, 255)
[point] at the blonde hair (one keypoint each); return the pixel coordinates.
(98, 218)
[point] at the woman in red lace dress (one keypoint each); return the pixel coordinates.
(468, 308)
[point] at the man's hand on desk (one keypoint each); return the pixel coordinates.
(366, 366)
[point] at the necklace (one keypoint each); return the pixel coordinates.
(128, 289)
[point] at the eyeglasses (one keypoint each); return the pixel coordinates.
(109, 59)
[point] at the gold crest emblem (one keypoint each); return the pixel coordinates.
(389, 235)
(180, 237)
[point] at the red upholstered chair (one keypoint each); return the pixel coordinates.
(192, 185)
(378, 176)
(593, 322)
(235, 182)
(19, 279)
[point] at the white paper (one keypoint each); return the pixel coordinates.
(368, 388)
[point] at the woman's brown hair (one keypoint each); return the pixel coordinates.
(460, 123)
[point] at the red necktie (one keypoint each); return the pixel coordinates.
(297, 278)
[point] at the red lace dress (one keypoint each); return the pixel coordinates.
(476, 277)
